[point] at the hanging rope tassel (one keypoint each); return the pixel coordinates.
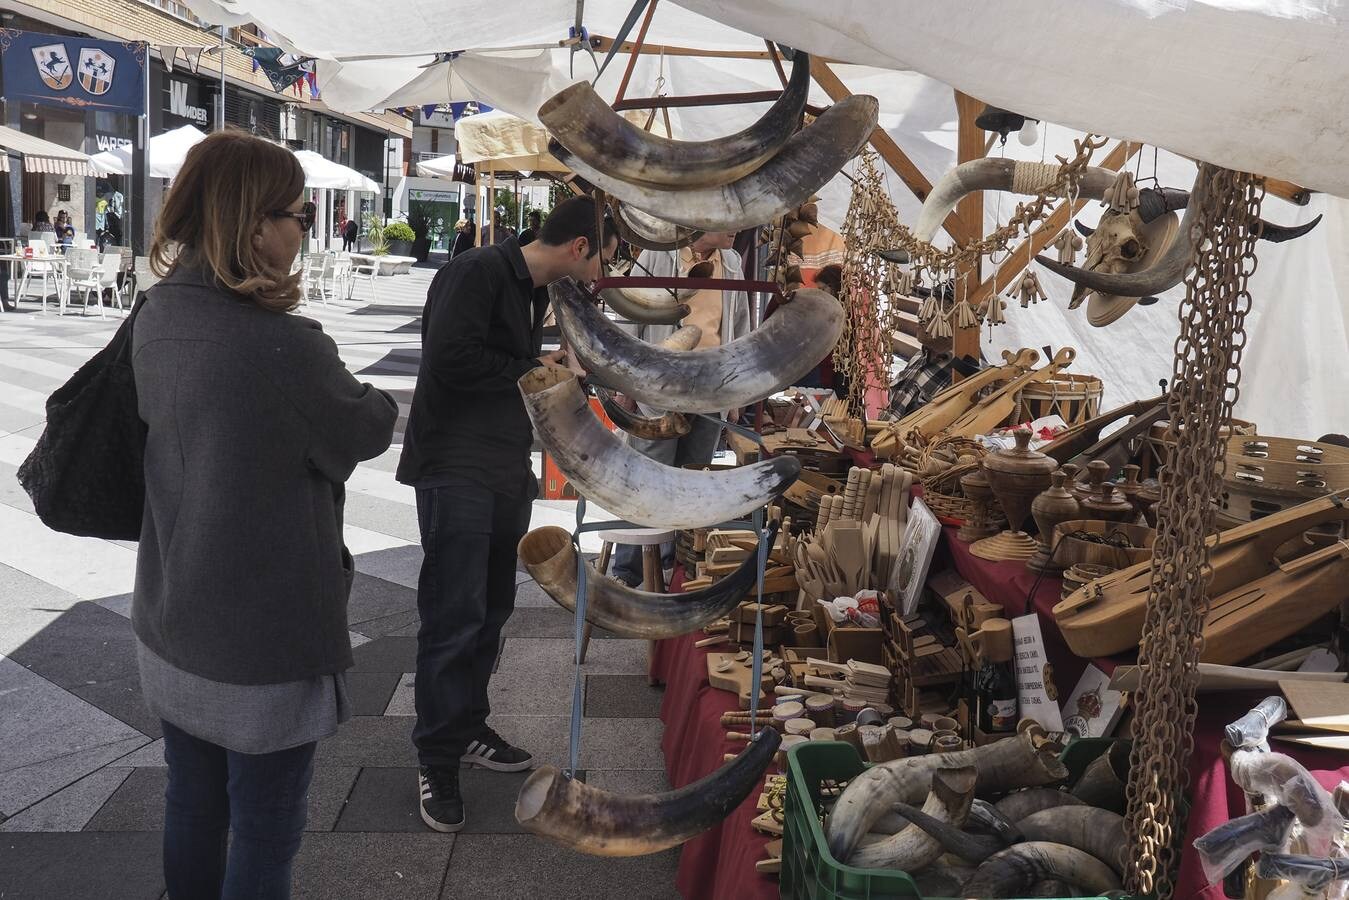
(1123, 195)
(964, 316)
(1027, 289)
(993, 311)
(1068, 243)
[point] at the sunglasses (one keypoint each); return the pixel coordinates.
(305, 216)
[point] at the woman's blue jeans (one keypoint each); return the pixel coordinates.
(233, 821)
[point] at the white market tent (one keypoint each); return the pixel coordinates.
(168, 151)
(1261, 85)
(320, 172)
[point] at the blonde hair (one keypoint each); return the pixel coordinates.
(228, 184)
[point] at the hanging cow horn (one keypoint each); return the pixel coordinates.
(550, 557)
(1084, 230)
(805, 163)
(648, 428)
(1098, 832)
(997, 175)
(1154, 202)
(898, 256)
(649, 306)
(1012, 872)
(648, 232)
(594, 132)
(798, 335)
(593, 821)
(628, 484)
(1166, 271)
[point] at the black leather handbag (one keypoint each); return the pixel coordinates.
(86, 475)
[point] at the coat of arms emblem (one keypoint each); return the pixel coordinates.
(53, 65)
(96, 69)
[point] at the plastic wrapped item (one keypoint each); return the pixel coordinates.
(1312, 873)
(1224, 848)
(1283, 780)
(1252, 729)
(861, 611)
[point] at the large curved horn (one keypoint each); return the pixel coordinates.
(649, 428)
(646, 231)
(1014, 871)
(1098, 832)
(973, 848)
(996, 175)
(1277, 234)
(597, 822)
(733, 375)
(550, 558)
(1003, 765)
(1166, 272)
(805, 163)
(628, 484)
(591, 129)
(913, 848)
(1021, 804)
(1154, 202)
(656, 306)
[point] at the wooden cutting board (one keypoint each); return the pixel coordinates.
(1318, 703)
(737, 680)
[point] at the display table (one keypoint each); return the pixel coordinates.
(719, 864)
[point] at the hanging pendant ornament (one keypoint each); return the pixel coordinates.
(939, 327)
(964, 316)
(1067, 244)
(927, 311)
(1123, 194)
(993, 311)
(1027, 289)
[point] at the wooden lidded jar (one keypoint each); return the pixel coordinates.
(1017, 475)
(1109, 505)
(1055, 505)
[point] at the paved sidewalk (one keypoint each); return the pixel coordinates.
(81, 768)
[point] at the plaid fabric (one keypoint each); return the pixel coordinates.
(925, 375)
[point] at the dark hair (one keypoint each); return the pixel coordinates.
(41, 216)
(534, 216)
(229, 183)
(575, 218)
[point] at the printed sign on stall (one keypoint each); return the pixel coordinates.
(1034, 675)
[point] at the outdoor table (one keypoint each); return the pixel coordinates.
(391, 265)
(57, 260)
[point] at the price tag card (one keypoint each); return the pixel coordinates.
(1034, 674)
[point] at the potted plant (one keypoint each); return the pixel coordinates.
(421, 230)
(374, 232)
(400, 237)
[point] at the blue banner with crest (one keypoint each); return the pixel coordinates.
(74, 72)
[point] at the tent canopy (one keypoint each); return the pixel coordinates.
(1150, 70)
(320, 172)
(42, 156)
(506, 142)
(168, 151)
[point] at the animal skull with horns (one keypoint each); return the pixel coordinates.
(1116, 244)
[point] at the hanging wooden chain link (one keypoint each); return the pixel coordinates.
(863, 350)
(1204, 388)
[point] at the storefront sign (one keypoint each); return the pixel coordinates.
(62, 70)
(433, 196)
(180, 103)
(106, 142)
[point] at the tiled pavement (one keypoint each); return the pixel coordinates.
(81, 767)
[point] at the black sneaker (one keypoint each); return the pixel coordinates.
(491, 751)
(442, 807)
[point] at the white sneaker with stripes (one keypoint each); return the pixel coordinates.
(491, 751)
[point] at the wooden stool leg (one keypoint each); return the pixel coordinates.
(653, 580)
(606, 549)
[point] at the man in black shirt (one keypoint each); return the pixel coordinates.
(535, 220)
(466, 451)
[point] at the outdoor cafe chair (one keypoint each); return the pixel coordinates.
(47, 271)
(110, 270)
(85, 275)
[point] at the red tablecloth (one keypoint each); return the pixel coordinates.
(719, 864)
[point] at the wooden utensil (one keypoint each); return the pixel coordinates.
(990, 411)
(850, 555)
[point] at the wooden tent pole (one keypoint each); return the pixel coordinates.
(969, 146)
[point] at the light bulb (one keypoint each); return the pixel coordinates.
(1028, 134)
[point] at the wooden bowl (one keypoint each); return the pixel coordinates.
(1070, 550)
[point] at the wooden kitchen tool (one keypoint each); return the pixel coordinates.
(990, 411)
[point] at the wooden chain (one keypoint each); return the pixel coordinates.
(863, 350)
(1204, 387)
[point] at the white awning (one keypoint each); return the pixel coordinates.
(42, 156)
(320, 172)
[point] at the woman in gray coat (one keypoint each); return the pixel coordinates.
(254, 425)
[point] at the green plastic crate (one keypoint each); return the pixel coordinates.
(809, 870)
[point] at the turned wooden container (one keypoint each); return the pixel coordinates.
(1074, 551)
(980, 523)
(1095, 474)
(1055, 505)
(1109, 506)
(1017, 475)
